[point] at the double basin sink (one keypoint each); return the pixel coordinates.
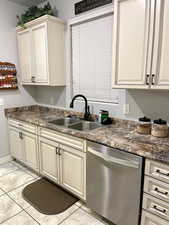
(75, 123)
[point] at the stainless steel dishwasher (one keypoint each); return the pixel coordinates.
(114, 183)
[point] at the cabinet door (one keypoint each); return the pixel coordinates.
(150, 219)
(16, 147)
(131, 46)
(30, 148)
(160, 69)
(24, 44)
(49, 159)
(73, 170)
(40, 53)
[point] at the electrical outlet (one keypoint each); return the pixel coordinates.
(126, 109)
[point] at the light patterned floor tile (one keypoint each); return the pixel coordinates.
(80, 217)
(8, 168)
(1, 192)
(50, 219)
(79, 203)
(8, 208)
(21, 219)
(14, 180)
(16, 195)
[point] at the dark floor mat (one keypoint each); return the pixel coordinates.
(47, 197)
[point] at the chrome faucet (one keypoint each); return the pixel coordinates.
(87, 108)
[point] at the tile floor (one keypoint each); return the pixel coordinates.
(14, 210)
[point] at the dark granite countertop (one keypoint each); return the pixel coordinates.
(121, 134)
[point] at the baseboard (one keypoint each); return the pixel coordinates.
(5, 159)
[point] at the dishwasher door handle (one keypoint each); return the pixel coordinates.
(112, 160)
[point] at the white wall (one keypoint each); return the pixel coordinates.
(8, 52)
(150, 103)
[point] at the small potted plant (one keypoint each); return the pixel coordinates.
(34, 12)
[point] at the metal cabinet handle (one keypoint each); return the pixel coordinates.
(113, 160)
(153, 79)
(147, 79)
(161, 173)
(160, 192)
(20, 135)
(56, 150)
(33, 79)
(59, 151)
(159, 210)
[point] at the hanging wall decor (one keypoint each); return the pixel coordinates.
(86, 5)
(8, 79)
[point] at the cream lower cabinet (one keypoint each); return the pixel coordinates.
(73, 169)
(16, 145)
(24, 144)
(150, 219)
(64, 165)
(30, 148)
(49, 159)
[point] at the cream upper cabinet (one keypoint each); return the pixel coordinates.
(24, 44)
(39, 58)
(160, 68)
(130, 43)
(140, 44)
(41, 52)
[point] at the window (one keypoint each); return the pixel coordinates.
(92, 60)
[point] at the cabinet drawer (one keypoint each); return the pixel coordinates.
(156, 206)
(63, 139)
(156, 188)
(157, 170)
(150, 219)
(23, 126)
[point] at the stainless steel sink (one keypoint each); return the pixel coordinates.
(75, 123)
(64, 121)
(85, 126)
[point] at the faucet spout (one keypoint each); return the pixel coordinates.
(87, 109)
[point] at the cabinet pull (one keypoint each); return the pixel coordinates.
(152, 79)
(33, 79)
(161, 173)
(56, 150)
(147, 79)
(159, 210)
(160, 192)
(59, 151)
(20, 135)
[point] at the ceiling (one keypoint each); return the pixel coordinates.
(28, 2)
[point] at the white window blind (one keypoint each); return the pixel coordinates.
(92, 60)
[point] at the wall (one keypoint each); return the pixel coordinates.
(61, 96)
(8, 52)
(150, 103)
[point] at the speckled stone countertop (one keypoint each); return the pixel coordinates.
(121, 134)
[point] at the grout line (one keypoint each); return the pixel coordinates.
(69, 216)
(10, 217)
(6, 192)
(31, 216)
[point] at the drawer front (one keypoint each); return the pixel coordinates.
(63, 139)
(23, 126)
(150, 219)
(156, 206)
(156, 188)
(157, 170)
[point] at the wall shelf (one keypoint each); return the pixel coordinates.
(8, 79)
